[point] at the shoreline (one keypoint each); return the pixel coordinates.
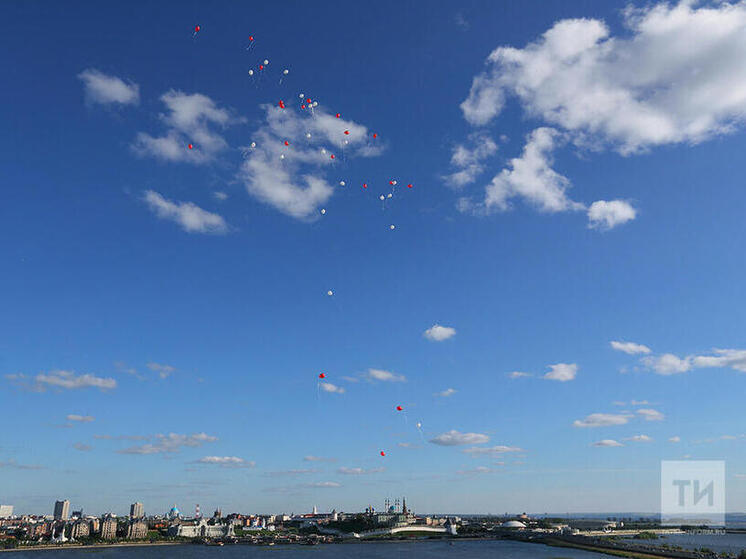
(47, 547)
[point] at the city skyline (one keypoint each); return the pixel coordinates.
(552, 309)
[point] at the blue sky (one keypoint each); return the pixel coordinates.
(165, 310)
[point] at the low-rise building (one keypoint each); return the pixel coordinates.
(200, 528)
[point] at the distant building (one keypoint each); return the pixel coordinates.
(200, 529)
(109, 528)
(137, 530)
(6, 511)
(137, 510)
(62, 510)
(80, 529)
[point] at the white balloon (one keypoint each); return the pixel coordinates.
(251, 72)
(346, 142)
(253, 144)
(392, 227)
(266, 61)
(286, 71)
(308, 134)
(323, 211)
(381, 197)
(341, 183)
(282, 156)
(330, 293)
(301, 96)
(323, 150)
(390, 195)
(315, 103)
(419, 425)
(394, 183)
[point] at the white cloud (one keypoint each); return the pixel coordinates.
(220, 195)
(162, 370)
(630, 348)
(607, 214)
(519, 374)
(455, 438)
(531, 178)
(190, 119)
(446, 393)
(81, 418)
(562, 372)
(225, 461)
(438, 333)
(384, 376)
(468, 160)
(69, 380)
(105, 89)
(189, 216)
(292, 178)
(499, 449)
(82, 447)
(333, 388)
(359, 471)
(676, 75)
(670, 364)
(608, 443)
(639, 439)
(475, 471)
(651, 414)
(676, 439)
(292, 473)
(323, 484)
(173, 442)
(311, 458)
(602, 420)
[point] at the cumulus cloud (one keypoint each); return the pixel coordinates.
(608, 443)
(499, 449)
(81, 418)
(292, 178)
(67, 380)
(104, 89)
(670, 364)
(562, 372)
(630, 348)
(438, 333)
(359, 471)
(639, 439)
(384, 376)
(333, 388)
(446, 393)
(189, 216)
(650, 414)
(455, 438)
(602, 420)
(605, 215)
(467, 160)
(190, 119)
(676, 75)
(225, 461)
(171, 443)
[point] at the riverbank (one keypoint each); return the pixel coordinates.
(47, 547)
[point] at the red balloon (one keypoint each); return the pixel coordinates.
(409, 186)
(281, 104)
(399, 408)
(287, 143)
(302, 106)
(365, 185)
(338, 115)
(391, 182)
(332, 156)
(375, 135)
(322, 375)
(347, 132)
(261, 66)
(197, 28)
(190, 146)
(308, 100)
(251, 37)
(383, 453)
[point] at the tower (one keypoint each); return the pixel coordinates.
(404, 505)
(197, 513)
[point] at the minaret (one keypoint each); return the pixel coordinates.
(404, 505)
